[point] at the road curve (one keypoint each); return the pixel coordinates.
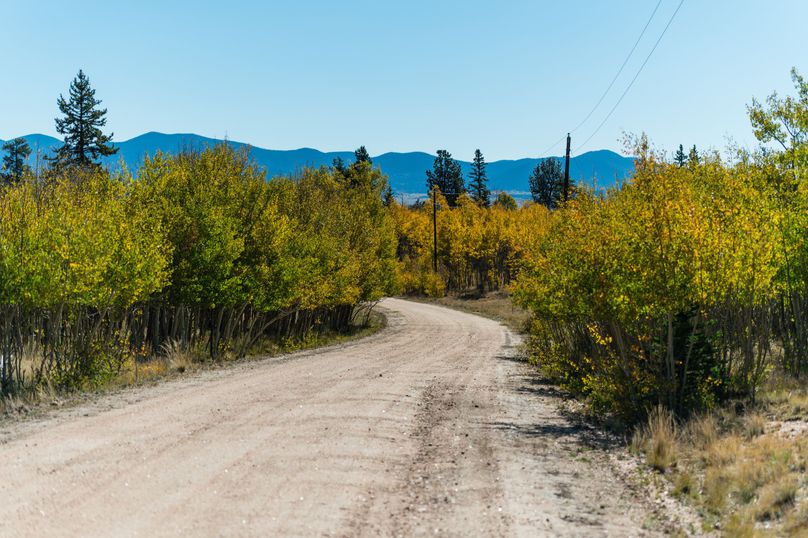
(428, 427)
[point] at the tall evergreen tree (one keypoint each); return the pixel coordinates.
(478, 181)
(84, 142)
(362, 155)
(14, 166)
(547, 183)
(693, 157)
(339, 165)
(680, 158)
(388, 199)
(446, 176)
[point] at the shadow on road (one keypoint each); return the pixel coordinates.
(557, 421)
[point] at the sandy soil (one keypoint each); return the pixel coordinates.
(432, 426)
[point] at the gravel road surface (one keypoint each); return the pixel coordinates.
(430, 427)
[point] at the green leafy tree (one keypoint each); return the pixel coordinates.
(785, 122)
(362, 155)
(680, 158)
(84, 142)
(446, 176)
(506, 201)
(478, 181)
(547, 183)
(14, 166)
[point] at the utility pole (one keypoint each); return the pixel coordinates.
(567, 171)
(435, 228)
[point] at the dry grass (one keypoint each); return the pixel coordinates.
(785, 398)
(657, 440)
(754, 425)
(742, 474)
(13, 405)
(744, 481)
(494, 305)
(777, 497)
(796, 521)
(702, 431)
(685, 485)
(176, 357)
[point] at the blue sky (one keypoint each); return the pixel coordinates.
(509, 77)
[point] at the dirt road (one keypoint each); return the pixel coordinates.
(429, 427)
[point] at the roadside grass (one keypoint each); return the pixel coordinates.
(657, 440)
(174, 361)
(743, 470)
(495, 305)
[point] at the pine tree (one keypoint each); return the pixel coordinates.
(446, 176)
(680, 158)
(547, 183)
(339, 165)
(478, 181)
(362, 155)
(388, 199)
(693, 157)
(14, 166)
(84, 142)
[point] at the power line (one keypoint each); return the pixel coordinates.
(630, 84)
(619, 71)
(621, 68)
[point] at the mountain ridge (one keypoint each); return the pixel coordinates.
(406, 170)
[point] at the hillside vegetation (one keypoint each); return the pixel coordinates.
(202, 253)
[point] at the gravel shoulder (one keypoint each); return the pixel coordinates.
(431, 426)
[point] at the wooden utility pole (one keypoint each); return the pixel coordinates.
(567, 171)
(434, 228)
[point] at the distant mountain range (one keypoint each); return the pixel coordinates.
(406, 171)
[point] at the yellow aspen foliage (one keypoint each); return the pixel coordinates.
(478, 247)
(668, 289)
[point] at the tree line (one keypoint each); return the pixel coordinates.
(478, 248)
(546, 181)
(201, 252)
(686, 286)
